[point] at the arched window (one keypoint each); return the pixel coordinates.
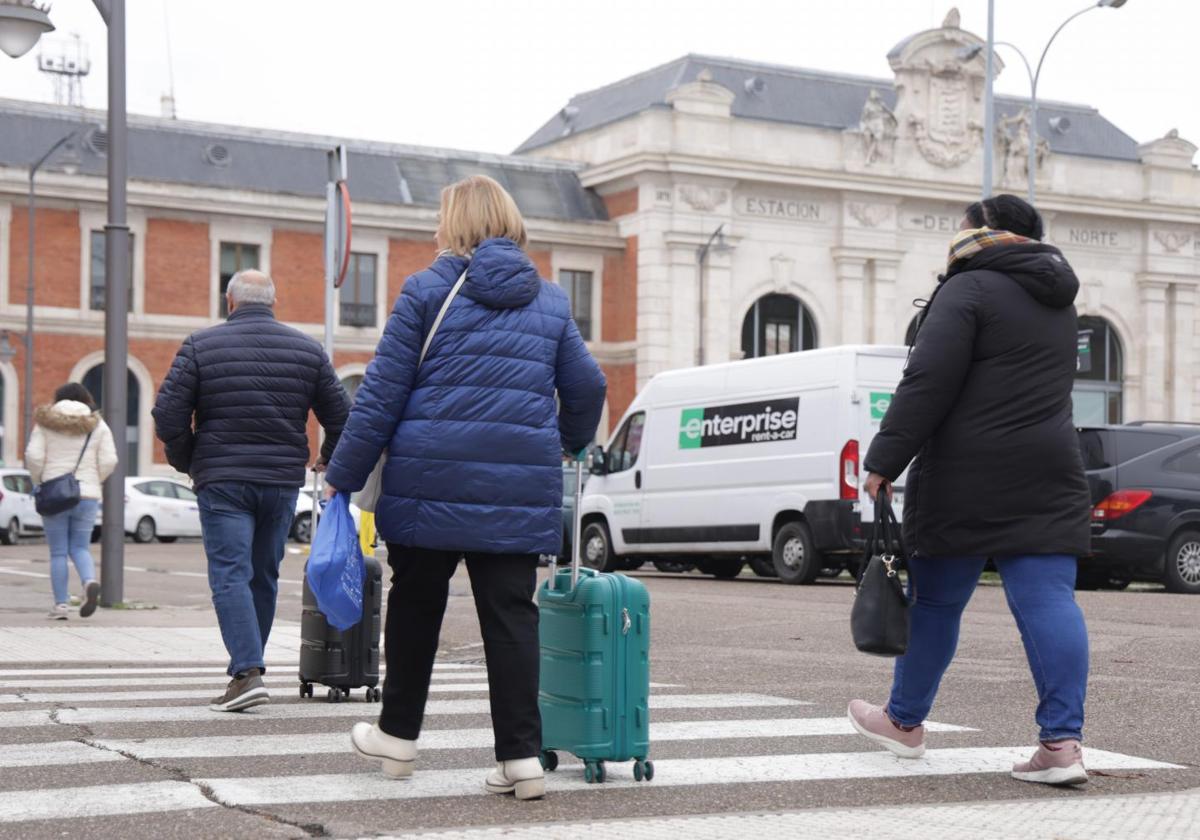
(351, 383)
(1099, 374)
(777, 324)
(93, 380)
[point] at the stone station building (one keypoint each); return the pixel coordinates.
(835, 196)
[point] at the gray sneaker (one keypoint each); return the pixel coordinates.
(244, 691)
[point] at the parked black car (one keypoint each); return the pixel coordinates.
(1145, 482)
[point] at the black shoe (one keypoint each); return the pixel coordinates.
(244, 691)
(91, 594)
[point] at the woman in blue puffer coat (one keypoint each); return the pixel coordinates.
(474, 440)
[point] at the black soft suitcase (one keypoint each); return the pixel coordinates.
(342, 659)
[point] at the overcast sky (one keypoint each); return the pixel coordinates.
(484, 75)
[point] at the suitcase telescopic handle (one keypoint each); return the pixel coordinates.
(576, 518)
(316, 494)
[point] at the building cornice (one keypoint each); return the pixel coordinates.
(633, 166)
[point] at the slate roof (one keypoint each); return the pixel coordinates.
(180, 152)
(805, 97)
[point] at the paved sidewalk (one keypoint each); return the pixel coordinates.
(1170, 816)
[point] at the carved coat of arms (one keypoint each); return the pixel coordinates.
(947, 135)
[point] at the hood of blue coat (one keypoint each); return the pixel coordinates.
(501, 275)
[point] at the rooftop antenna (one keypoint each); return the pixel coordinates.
(66, 61)
(168, 99)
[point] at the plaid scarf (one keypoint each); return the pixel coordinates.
(968, 243)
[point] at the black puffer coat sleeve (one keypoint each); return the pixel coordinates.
(332, 406)
(175, 407)
(932, 380)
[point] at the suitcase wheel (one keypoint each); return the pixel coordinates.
(337, 695)
(306, 690)
(373, 695)
(594, 772)
(643, 771)
(549, 761)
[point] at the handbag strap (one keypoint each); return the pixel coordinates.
(79, 460)
(437, 322)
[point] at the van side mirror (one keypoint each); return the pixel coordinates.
(597, 463)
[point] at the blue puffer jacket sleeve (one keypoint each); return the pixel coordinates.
(581, 389)
(381, 398)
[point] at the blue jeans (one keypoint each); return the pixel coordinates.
(70, 534)
(1041, 594)
(245, 529)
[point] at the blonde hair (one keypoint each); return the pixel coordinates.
(475, 209)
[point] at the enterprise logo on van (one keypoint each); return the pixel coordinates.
(727, 425)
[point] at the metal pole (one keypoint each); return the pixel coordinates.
(989, 106)
(116, 313)
(27, 390)
(700, 255)
(330, 248)
(1031, 165)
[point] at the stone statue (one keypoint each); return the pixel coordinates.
(1013, 132)
(953, 19)
(878, 128)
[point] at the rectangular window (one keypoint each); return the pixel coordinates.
(578, 286)
(97, 283)
(235, 257)
(357, 305)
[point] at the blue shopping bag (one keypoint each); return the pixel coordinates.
(335, 567)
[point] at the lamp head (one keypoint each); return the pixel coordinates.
(21, 25)
(968, 53)
(721, 246)
(1111, 4)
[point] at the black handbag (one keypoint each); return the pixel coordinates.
(879, 618)
(61, 493)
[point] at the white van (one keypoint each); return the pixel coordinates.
(754, 460)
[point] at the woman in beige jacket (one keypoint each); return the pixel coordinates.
(68, 432)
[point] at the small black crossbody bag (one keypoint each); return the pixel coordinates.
(61, 493)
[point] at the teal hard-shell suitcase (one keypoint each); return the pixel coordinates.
(595, 667)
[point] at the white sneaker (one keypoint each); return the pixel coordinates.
(397, 754)
(59, 612)
(523, 778)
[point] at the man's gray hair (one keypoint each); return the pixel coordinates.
(251, 286)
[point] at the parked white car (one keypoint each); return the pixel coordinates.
(18, 516)
(160, 508)
(302, 524)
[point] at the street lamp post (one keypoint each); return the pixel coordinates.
(27, 391)
(716, 242)
(1034, 77)
(22, 22)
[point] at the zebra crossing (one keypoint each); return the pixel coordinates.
(96, 733)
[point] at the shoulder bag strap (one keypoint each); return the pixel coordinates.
(79, 460)
(437, 322)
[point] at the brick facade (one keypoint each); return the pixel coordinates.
(57, 276)
(298, 269)
(178, 268)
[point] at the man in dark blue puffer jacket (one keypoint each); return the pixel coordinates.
(233, 414)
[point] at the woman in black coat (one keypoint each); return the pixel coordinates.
(983, 414)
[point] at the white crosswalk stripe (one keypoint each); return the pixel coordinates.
(751, 725)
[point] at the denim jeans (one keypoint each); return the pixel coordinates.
(1041, 595)
(70, 534)
(245, 529)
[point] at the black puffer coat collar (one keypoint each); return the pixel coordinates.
(1038, 268)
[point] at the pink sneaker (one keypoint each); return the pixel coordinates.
(873, 722)
(1054, 763)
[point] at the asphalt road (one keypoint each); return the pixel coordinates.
(728, 638)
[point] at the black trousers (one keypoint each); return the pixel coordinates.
(503, 585)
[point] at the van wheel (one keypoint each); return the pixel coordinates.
(595, 549)
(1183, 564)
(763, 566)
(793, 555)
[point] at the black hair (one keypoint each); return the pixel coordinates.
(75, 391)
(1007, 212)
